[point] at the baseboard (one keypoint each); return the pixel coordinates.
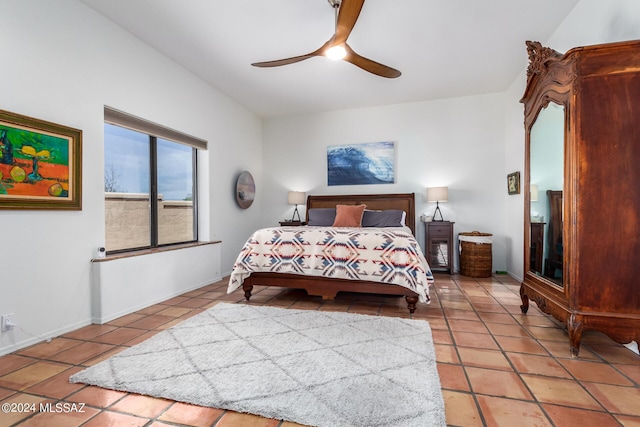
(43, 337)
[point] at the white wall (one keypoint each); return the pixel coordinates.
(62, 62)
(590, 22)
(452, 142)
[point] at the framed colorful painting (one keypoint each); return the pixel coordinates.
(40, 164)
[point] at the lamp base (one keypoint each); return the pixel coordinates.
(436, 212)
(295, 212)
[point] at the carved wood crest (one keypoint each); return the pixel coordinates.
(550, 77)
(538, 55)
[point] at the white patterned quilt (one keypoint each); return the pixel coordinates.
(383, 255)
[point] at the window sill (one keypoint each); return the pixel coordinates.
(153, 251)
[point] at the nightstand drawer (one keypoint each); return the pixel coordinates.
(439, 230)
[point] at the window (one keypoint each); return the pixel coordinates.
(150, 184)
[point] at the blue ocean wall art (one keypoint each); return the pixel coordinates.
(358, 164)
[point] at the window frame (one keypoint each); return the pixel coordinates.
(154, 132)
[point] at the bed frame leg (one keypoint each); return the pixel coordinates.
(247, 290)
(411, 302)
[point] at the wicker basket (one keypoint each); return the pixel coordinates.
(475, 254)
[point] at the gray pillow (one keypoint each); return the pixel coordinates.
(322, 217)
(386, 218)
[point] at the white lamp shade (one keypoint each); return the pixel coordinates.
(296, 197)
(534, 193)
(437, 194)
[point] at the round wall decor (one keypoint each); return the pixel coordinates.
(245, 190)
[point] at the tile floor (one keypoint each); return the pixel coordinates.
(497, 367)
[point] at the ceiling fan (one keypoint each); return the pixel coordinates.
(346, 13)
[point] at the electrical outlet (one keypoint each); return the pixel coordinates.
(7, 322)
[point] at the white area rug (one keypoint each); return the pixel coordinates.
(311, 367)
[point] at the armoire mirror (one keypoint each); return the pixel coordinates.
(546, 179)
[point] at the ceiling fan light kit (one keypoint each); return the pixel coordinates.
(346, 12)
(336, 52)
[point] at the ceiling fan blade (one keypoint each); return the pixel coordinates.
(285, 61)
(292, 60)
(347, 17)
(369, 65)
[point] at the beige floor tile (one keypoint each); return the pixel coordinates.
(453, 377)
(441, 336)
(61, 417)
(628, 420)
(616, 399)
(631, 371)
(494, 313)
(47, 349)
(126, 320)
(615, 353)
(31, 374)
(81, 353)
(446, 354)
(144, 406)
(463, 314)
(150, 322)
(29, 405)
(472, 326)
(194, 303)
(595, 372)
(119, 336)
(500, 412)
(11, 362)
(96, 396)
(548, 334)
(561, 349)
(90, 332)
(108, 419)
(103, 356)
(175, 311)
(520, 345)
(191, 415)
(538, 365)
(235, 419)
(470, 339)
(57, 386)
(561, 392)
(508, 330)
(479, 358)
(563, 416)
(497, 383)
(461, 409)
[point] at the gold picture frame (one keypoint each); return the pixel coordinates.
(40, 164)
(513, 183)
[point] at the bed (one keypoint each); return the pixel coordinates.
(298, 257)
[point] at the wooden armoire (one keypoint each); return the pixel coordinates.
(582, 145)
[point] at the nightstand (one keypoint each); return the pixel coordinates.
(292, 223)
(439, 245)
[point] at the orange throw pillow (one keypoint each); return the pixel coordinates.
(349, 215)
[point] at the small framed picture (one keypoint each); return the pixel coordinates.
(513, 183)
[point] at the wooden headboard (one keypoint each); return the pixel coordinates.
(405, 202)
